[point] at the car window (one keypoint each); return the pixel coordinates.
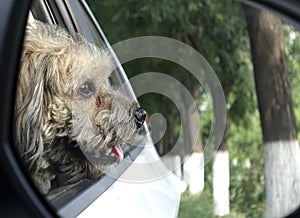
(254, 168)
(68, 68)
(231, 127)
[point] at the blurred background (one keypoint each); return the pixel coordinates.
(260, 82)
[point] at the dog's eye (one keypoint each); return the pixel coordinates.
(87, 90)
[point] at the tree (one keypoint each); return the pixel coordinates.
(226, 48)
(281, 148)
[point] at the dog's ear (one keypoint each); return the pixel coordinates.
(32, 99)
(29, 111)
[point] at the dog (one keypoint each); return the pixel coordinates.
(68, 118)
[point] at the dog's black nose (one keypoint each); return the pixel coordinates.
(140, 116)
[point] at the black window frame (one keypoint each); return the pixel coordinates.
(17, 198)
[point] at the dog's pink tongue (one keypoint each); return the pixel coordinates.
(118, 152)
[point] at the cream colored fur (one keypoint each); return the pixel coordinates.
(67, 117)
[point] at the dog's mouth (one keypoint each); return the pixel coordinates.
(111, 152)
(117, 150)
(102, 156)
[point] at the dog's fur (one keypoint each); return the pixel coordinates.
(68, 118)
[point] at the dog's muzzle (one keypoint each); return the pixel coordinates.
(140, 116)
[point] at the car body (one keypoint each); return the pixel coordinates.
(112, 195)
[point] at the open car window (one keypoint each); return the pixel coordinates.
(67, 196)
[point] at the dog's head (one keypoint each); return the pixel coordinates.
(63, 92)
(103, 119)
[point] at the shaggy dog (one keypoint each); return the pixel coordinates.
(68, 118)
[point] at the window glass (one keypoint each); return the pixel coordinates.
(254, 54)
(219, 81)
(75, 119)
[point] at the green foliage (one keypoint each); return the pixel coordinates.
(200, 206)
(196, 206)
(247, 189)
(217, 29)
(292, 42)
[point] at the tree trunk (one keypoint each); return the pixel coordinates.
(221, 177)
(281, 147)
(193, 167)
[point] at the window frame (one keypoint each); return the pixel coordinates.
(16, 189)
(287, 10)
